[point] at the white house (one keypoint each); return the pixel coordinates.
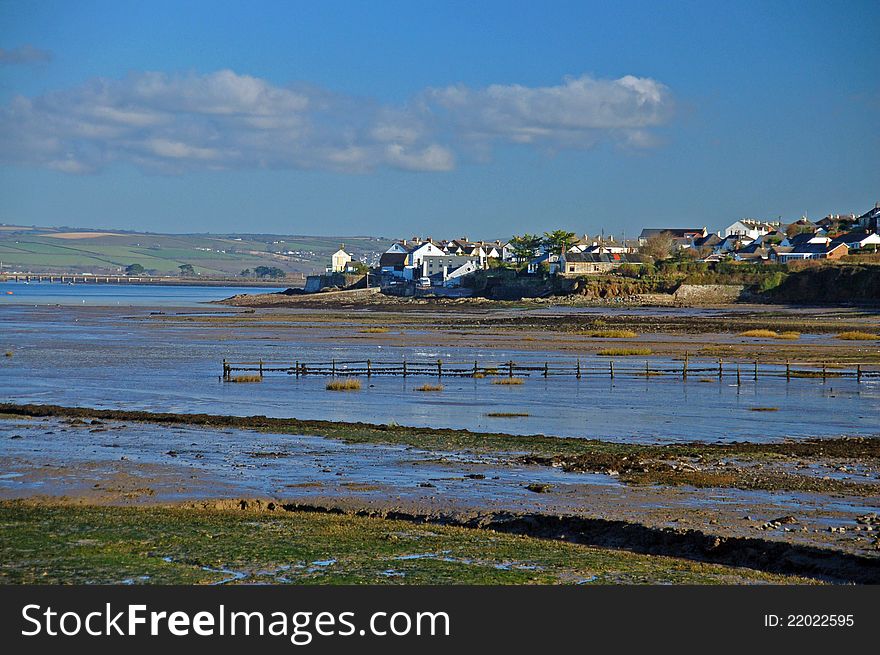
(859, 239)
(339, 261)
(749, 227)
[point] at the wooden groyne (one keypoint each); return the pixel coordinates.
(608, 368)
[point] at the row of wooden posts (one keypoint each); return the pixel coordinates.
(370, 368)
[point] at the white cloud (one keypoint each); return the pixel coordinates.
(171, 123)
(577, 113)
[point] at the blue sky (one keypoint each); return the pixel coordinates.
(443, 118)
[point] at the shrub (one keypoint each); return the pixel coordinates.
(620, 352)
(508, 381)
(347, 384)
(857, 336)
(430, 387)
(246, 378)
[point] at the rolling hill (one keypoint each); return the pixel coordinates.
(71, 250)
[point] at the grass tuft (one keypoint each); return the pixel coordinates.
(620, 352)
(347, 384)
(8, 353)
(771, 334)
(612, 334)
(245, 379)
(857, 336)
(375, 330)
(763, 409)
(430, 387)
(508, 381)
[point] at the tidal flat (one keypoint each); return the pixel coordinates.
(112, 412)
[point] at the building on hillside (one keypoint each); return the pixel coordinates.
(858, 239)
(870, 220)
(750, 227)
(580, 263)
(825, 250)
(681, 236)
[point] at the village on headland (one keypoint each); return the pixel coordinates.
(749, 255)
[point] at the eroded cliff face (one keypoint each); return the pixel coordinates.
(830, 284)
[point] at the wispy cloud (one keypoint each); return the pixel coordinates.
(26, 54)
(171, 123)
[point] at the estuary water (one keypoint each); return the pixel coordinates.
(69, 354)
(116, 295)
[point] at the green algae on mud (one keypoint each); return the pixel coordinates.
(462, 439)
(46, 543)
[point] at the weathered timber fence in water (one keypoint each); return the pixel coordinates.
(608, 368)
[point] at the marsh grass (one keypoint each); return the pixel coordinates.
(347, 384)
(507, 414)
(612, 334)
(375, 330)
(857, 336)
(763, 409)
(622, 352)
(245, 379)
(771, 334)
(8, 353)
(430, 387)
(479, 376)
(508, 381)
(814, 374)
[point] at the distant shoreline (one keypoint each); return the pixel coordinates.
(91, 280)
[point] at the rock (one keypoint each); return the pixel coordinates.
(539, 487)
(785, 520)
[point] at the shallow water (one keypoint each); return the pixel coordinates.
(99, 358)
(122, 295)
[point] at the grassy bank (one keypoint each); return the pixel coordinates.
(54, 544)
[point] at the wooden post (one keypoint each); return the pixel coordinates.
(684, 367)
(296, 368)
(720, 367)
(225, 370)
(611, 368)
(756, 370)
(261, 368)
(787, 371)
(578, 373)
(546, 370)
(404, 367)
(737, 375)
(510, 369)
(858, 372)
(369, 368)
(647, 370)
(475, 368)
(439, 368)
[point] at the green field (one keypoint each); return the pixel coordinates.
(68, 250)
